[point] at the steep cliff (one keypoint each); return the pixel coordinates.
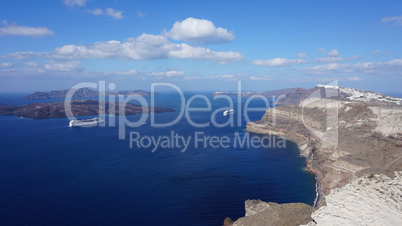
(365, 139)
(370, 200)
(343, 137)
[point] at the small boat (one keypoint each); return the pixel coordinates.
(228, 112)
(85, 122)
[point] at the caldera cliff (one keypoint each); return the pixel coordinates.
(352, 142)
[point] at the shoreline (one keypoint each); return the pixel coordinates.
(303, 152)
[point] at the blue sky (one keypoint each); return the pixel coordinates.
(200, 45)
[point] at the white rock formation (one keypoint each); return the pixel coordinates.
(365, 201)
(388, 121)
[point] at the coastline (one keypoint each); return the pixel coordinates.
(368, 146)
(366, 139)
(318, 187)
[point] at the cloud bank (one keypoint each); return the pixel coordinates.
(144, 47)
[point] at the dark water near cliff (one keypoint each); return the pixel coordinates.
(53, 174)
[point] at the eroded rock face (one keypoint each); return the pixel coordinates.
(263, 213)
(254, 207)
(345, 138)
(368, 138)
(372, 200)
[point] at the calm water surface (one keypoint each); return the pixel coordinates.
(53, 174)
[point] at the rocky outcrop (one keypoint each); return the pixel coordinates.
(78, 108)
(263, 213)
(370, 200)
(81, 93)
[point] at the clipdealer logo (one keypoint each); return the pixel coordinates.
(199, 138)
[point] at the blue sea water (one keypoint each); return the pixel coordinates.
(53, 174)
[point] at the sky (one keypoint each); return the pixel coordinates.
(200, 45)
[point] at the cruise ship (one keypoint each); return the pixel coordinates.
(228, 112)
(85, 122)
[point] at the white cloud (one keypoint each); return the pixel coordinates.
(165, 74)
(143, 47)
(396, 19)
(333, 53)
(72, 3)
(213, 77)
(323, 69)
(378, 52)
(145, 74)
(141, 14)
(354, 78)
(279, 62)
(302, 55)
(6, 64)
(63, 66)
(30, 64)
(200, 31)
(129, 72)
(18, 30)
(185, 51)
(392, 67)
(333, 56)
(254, 78)
(174, 73)
(333, 59)
(95, 11)
(116, 14)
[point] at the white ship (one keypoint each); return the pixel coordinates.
(228, 112)
(85, 122)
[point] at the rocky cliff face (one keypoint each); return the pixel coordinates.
(372, 200)
(369, 200)
(365, 138)
(352, 135)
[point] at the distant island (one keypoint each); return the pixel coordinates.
(78, 108)
(81, 93)
(272, 93)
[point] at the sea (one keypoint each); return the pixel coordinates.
(53, 174)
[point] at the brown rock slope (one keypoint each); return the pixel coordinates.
(262, 213)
